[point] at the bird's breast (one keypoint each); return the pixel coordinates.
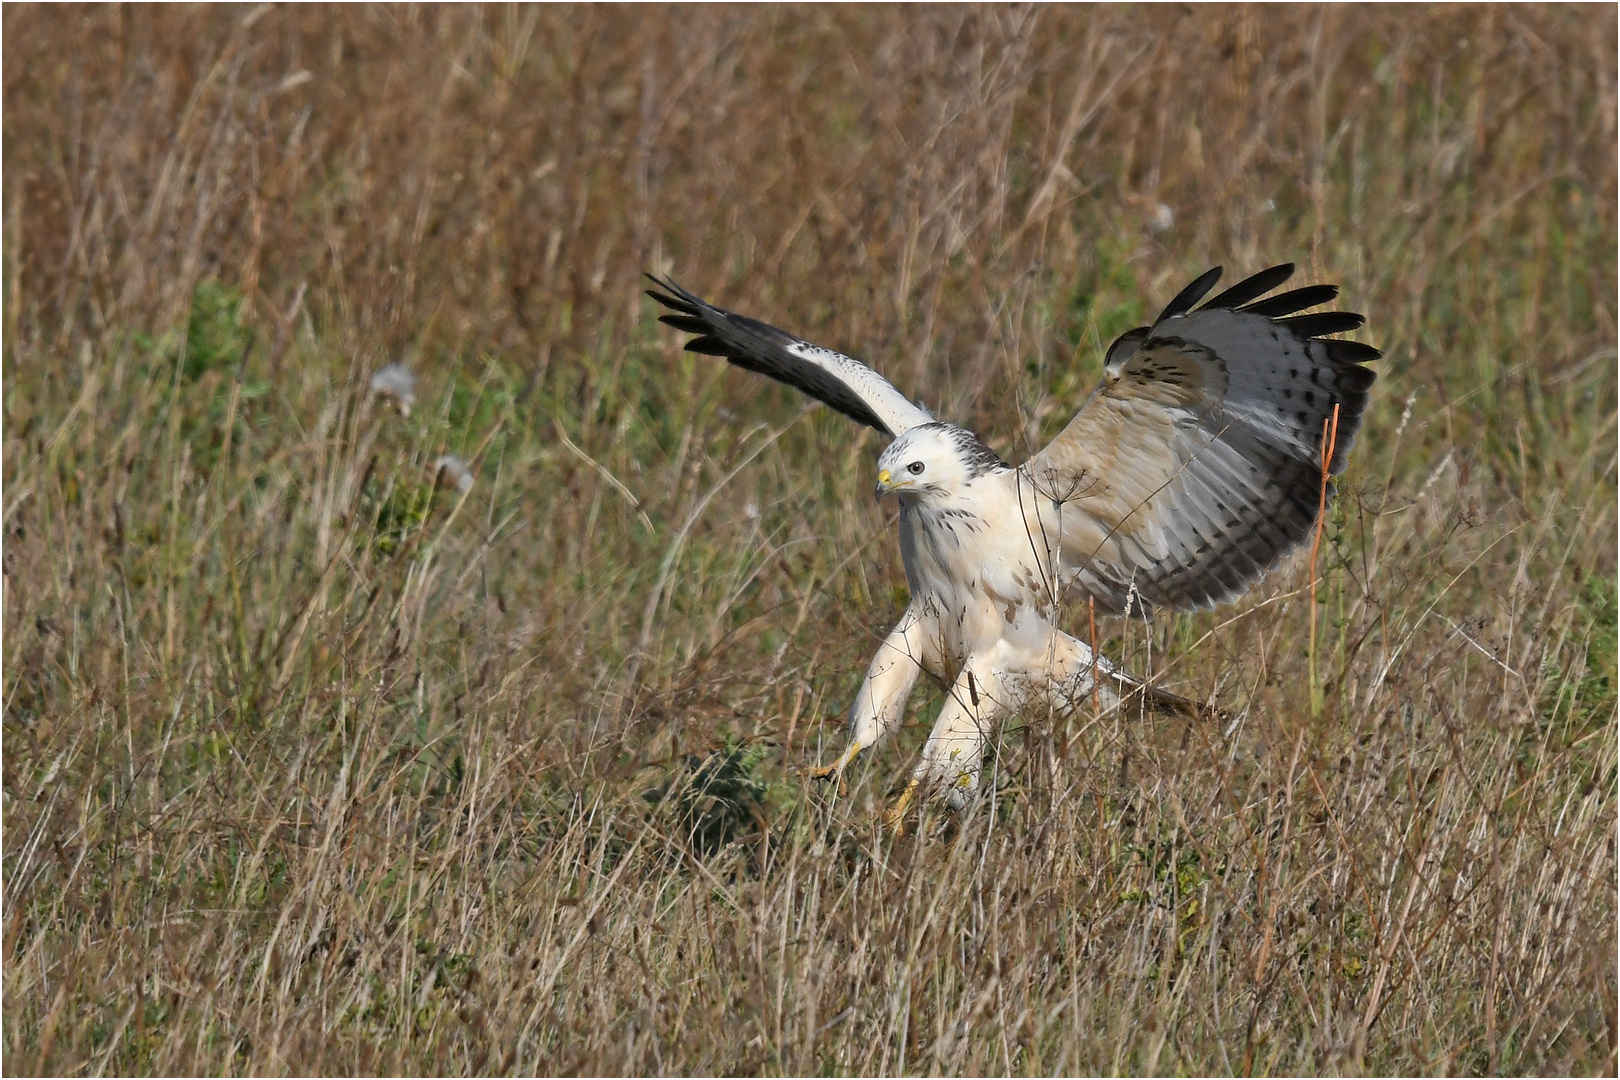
(975, 573)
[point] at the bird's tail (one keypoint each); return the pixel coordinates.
(1129, 689)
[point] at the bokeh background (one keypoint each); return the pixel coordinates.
(319, 761)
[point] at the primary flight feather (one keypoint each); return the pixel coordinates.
(1190, 471)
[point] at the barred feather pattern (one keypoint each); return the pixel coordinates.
(1196, 466)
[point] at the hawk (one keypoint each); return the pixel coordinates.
(1190, 471)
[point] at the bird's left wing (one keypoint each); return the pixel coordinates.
(842, 382)
(1197, 464)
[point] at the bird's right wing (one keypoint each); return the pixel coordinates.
(842, 382)
(1197, 464)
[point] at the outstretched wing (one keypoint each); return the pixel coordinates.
(1196, 465)
(844, 383)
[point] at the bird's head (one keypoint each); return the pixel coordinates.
(934, 460)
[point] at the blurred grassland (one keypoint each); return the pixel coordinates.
(312, 766)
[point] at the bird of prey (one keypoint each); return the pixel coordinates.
(1192, 469)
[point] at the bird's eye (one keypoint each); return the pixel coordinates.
(915, 468)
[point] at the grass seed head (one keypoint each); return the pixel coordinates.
(397, 383)
(451, 471)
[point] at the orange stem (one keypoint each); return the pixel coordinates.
(1330, 440)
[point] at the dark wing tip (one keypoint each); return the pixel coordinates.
(673, 296)
(1246, 296)
(709, 345)
(678, 299)
(1253, 287)
(690, 324)
(1322, 323)
(666, 283)
(1294, 300)
(1352, 352)
(1189, 296)
(758, 347)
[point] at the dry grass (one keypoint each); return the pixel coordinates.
(313, 767)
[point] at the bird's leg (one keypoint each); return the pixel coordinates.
(951, 757)
(1076, 675)
(893, 816)
(881, 703)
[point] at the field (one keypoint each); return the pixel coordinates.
(315, 762)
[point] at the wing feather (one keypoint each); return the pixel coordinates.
(844, 383)
(1322, 322)
(1294, 300)
(1196, 465)
(1251, 287)
(1193, 293)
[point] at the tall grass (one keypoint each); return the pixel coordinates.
(316, 763)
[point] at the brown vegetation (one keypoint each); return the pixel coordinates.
(313, 764)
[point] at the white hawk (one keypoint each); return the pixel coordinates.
(1188, 473)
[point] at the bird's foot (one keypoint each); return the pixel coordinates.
(895, 815)
(835, 771)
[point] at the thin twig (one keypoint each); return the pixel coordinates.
(602, 470)
(1091, 616)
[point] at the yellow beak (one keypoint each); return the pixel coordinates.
(883, 483)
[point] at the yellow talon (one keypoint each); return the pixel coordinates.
(893, 815)
(835, 771)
